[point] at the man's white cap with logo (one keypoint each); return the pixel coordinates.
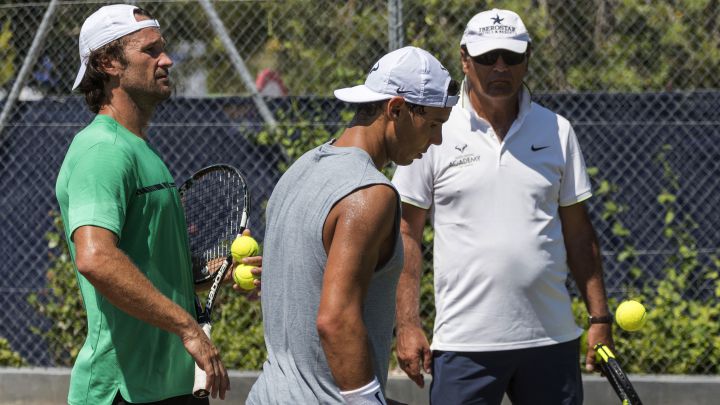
(409, 72)
(104, 26)
(495, 29)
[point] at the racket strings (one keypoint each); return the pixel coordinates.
(214, 204)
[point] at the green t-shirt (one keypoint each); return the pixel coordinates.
(112, 179)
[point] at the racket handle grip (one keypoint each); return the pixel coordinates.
(199, 390)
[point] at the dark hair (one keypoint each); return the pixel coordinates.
(416, 108)
(453, 88)
(368, 111)
(93, 82)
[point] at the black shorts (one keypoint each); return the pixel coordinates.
(181, 400)
(546, 375)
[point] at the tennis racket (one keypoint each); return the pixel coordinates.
(616, 376)
(217, 204)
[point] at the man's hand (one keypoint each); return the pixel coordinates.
(597, 333)
(207, 356)
(413, 353)
(256, 262)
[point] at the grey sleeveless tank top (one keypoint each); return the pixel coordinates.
(294, 259)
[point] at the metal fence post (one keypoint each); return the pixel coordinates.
(238, 62)
(395, 25)
(26, 66)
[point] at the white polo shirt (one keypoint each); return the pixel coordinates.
(499, 256)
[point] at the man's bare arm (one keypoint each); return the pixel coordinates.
(361, 223)
(114, 275)
(583, 257)
(413, 348)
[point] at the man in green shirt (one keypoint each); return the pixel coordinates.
(126, 229)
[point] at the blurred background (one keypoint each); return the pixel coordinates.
(637, 79)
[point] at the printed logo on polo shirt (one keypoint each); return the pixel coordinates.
(465, 159)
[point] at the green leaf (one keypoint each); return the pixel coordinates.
(666, 198)
(669, 217)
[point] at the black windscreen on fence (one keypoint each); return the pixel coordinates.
(644, 148)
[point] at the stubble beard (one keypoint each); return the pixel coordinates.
(150, 95)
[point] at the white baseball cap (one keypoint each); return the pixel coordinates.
(104, 26)
(409, 72)
(495, 29)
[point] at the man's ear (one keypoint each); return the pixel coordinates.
(111, 67)
(528, 53)
(393, 107)
(465, 61)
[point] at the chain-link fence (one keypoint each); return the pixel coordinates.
(637, 79)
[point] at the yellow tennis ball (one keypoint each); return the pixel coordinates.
(244, 277)
(244, 246)
(630, 315)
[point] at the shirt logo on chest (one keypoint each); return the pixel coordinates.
(465, 159)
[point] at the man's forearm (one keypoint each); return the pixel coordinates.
(408, 290)
(583, 257)
(345, 343)
(586, 267)
(114, 275)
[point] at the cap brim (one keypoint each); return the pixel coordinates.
(481, 47)
(79, 77)
(360, 94)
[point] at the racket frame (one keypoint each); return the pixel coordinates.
(204, 315)
(616, 376)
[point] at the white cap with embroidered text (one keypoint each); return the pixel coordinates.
(104, 26)
(411, 73)
(495, 29)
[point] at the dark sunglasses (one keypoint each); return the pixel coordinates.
(490, 58)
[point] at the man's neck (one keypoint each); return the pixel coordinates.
(500, 113)
(368, 138)
(134, 117)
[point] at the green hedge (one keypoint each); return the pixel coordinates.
(9, 358)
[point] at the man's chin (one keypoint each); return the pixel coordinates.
(404, 162)
(501, 91)
(164, 93)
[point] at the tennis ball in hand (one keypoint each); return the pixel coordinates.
(244, 246)
(630, 315)
(244, 277)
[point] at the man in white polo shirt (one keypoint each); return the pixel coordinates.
(505, 194)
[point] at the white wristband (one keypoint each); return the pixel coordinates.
(370, 394)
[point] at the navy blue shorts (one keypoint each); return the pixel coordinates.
(546, 375)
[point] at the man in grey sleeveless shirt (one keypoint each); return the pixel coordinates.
(332, 251)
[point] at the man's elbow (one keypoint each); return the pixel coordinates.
(328, 326)
(332, 325)
(89, 263)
